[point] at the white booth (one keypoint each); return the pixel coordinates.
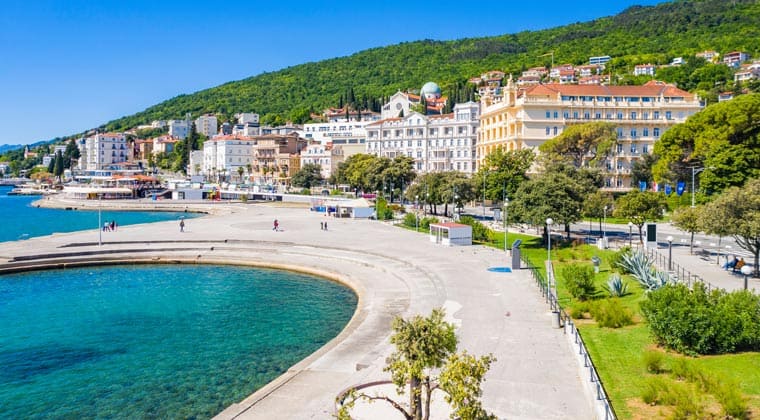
(451, 234)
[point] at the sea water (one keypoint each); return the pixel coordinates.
(20, 220)
(156, 341)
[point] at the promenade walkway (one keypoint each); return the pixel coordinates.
(394, 271)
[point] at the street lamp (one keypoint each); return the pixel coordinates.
(694, 171)
(456, 200)
(604, 222)
(670, 252)
(485, 173)
(416, 214)
(630, 234)
(506, 229)
(746, 270)
(549, 222)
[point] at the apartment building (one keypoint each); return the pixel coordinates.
(435, 142)
(526, 118)
(276, 157)
(179, 128)
(206, 125)
(327, 156)
(223, 155)
(644, 70)
(735, 58)
(102, 151)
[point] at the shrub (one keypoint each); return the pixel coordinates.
(397, 208)
(695, 321)
(610, 313)
(731, 399)
(426, 221)
(243, 198)
(410, 220)
(579, 280)
(655, 388)
(382, 210)
(579, 310)
(653, 360)
(616, 287)
(480, 232)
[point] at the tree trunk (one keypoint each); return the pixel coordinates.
(567, 230)
(691, 246)
(641, 235)
(600, 227)
(415, 399)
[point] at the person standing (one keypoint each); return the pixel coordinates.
(181, 225)
(276, 225)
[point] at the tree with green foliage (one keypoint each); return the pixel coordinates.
(581, 145)
(639, 207)
(738, 209)
(58, 167)
(423, 347)
(51, 165)
(71, 154)
(724, 139)
(310, 175)
(502, 173)
(688, 219)
(597, 204)
(550, 195)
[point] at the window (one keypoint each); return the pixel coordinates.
(657, 115)
(668, 115)
(645, 116)
(556, 114)
(419, 143)
(620, 115)
(565, 115)
(586, 115)
(598, 115)
(620, 133)
(633, 133)
(548, 130)
(548, 114)
(419, 153)
(656, 132)
(555, 130)
(633, 115)
(646, 132)
(645, 148)
(633, 148)
(408, 143)
(575, 115)
(619, 150)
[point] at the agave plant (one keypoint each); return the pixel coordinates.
(640, 267)
(616, 287)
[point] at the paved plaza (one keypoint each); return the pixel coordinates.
(394, 272)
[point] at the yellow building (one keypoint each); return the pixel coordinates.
(519, 118)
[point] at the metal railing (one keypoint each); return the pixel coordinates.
(677, 272)
(565, 320)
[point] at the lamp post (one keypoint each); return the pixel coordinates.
(670, 253)
(604, 222)
(100, 222)
(485, 173)
(694, 171)
(746, 270)
(506, 229)
(456, 200)
(630, 234)
(549, 222)
(416, 214)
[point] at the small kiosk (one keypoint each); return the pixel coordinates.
(451, 234)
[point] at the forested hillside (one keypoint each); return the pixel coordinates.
(638, 35)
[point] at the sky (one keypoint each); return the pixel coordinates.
(70, 65)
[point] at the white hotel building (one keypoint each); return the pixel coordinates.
(223, 155)
(102, 151)
(435, 142)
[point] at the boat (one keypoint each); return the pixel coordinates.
(32, 189)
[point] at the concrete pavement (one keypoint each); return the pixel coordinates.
(393, 271)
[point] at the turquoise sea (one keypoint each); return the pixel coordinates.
(19, 220)
(155, 341)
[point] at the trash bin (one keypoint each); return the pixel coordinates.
(596, 261)
(516, 254)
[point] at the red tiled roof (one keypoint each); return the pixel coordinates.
(651, 88)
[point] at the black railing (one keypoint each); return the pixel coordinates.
(567, 322)
(677, 272)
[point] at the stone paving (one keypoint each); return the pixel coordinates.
(394, 272)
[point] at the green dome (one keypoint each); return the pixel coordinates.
(430, 89)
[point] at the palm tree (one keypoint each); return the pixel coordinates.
(240, 171)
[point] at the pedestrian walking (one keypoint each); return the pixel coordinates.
(276, 225)
(321, 225)
(325, 226)
(181, 225)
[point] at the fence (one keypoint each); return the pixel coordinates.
(677, 272)
(551, 298)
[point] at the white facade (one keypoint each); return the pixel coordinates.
(102, 151)
(343, 132)
(436, 143)
(247, 117)
(248, 129)
(326, 156)
(223, 155)
(179, 128)
(206, 125)
(644, 70)
(195, 164)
